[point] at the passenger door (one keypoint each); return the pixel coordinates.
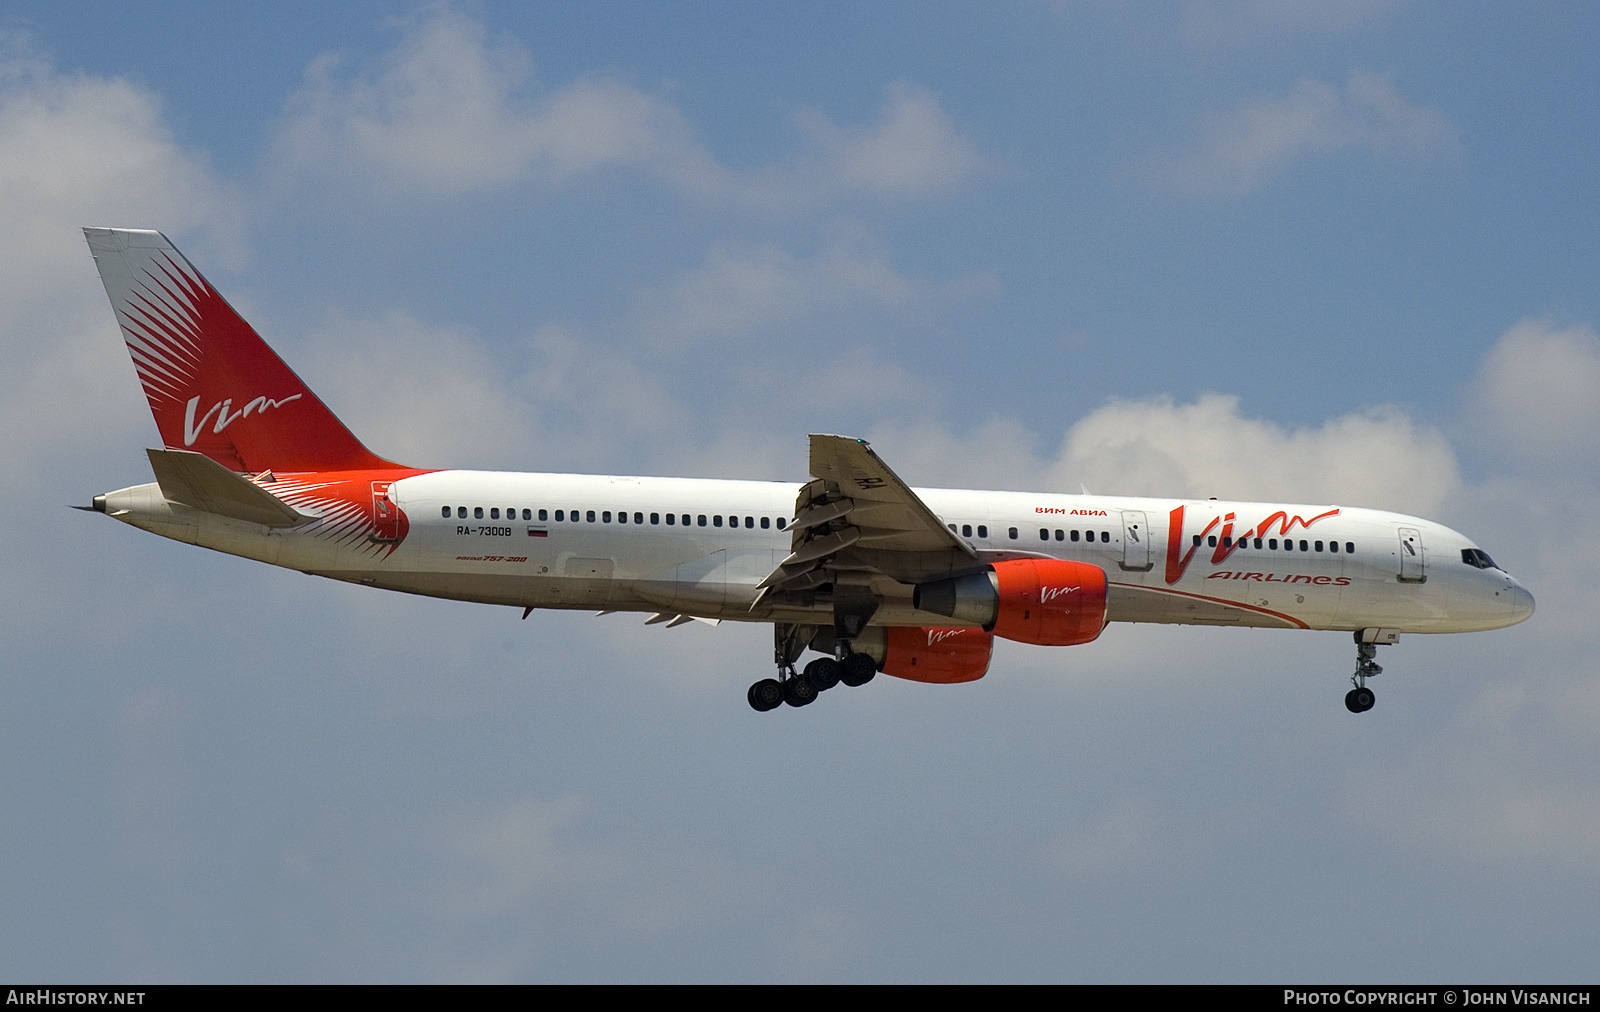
(1413, 562)
(1135, 541)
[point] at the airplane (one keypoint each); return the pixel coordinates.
(853, 564)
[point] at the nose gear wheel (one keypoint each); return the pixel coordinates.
(1361, 699)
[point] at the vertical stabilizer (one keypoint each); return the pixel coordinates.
(213, 385)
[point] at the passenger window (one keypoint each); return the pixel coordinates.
(590, 516)
(1333, 546)
(1350, 548)
(952, 528)
(1303, 547)
(766, 523)
(1061, 534)
(655, 518)
(477, 512)
(1212, 541)
(622, 517)
(1258, 542)
(1105, 537)
(461, 512)
(446, 513)
(702, 520)
(545, 515)
(561, 515)
(494, 513)
(966, 530)
(671, 519)
(1197, 541)
(638, 518)
(983, 531)
(686, 520)
(716, 521)
(1044, 535)
(781, 522)
(605, 517)
(1272, 543)
(750, 522)
(1227, 542)
(1013, 533)
(1074, 535)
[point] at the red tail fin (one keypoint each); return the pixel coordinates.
(213, 385)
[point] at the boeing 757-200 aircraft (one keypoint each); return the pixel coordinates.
(854, 564)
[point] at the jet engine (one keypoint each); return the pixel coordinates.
(1049, 602)
(937, 655)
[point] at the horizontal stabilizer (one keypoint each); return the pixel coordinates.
(196, 480)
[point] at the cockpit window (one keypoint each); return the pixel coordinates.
(1477, 557)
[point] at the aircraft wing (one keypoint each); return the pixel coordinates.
(887, 513)
(856, 519)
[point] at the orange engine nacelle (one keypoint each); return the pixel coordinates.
(1051, 602)
(937, 655)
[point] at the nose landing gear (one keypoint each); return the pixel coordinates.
(1361, 699)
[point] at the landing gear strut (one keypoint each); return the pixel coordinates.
(1361, 699)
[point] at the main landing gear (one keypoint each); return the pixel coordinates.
(1361, 699)
(800, 688)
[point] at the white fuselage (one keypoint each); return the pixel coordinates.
(669, 545)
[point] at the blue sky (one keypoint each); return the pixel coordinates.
(1298, 251)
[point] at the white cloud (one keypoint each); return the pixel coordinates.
(1538, 396)
(997, 453)
(419, 394)
(744, 289)
(1508, 778)
(431, 396)
(451, 111)
(75, 150)
(1242, 151)
(446, 112)
(914, 150)
(1535, 405)
(1378, 458)
(81, 150)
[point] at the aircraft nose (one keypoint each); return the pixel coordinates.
(1521, 603)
